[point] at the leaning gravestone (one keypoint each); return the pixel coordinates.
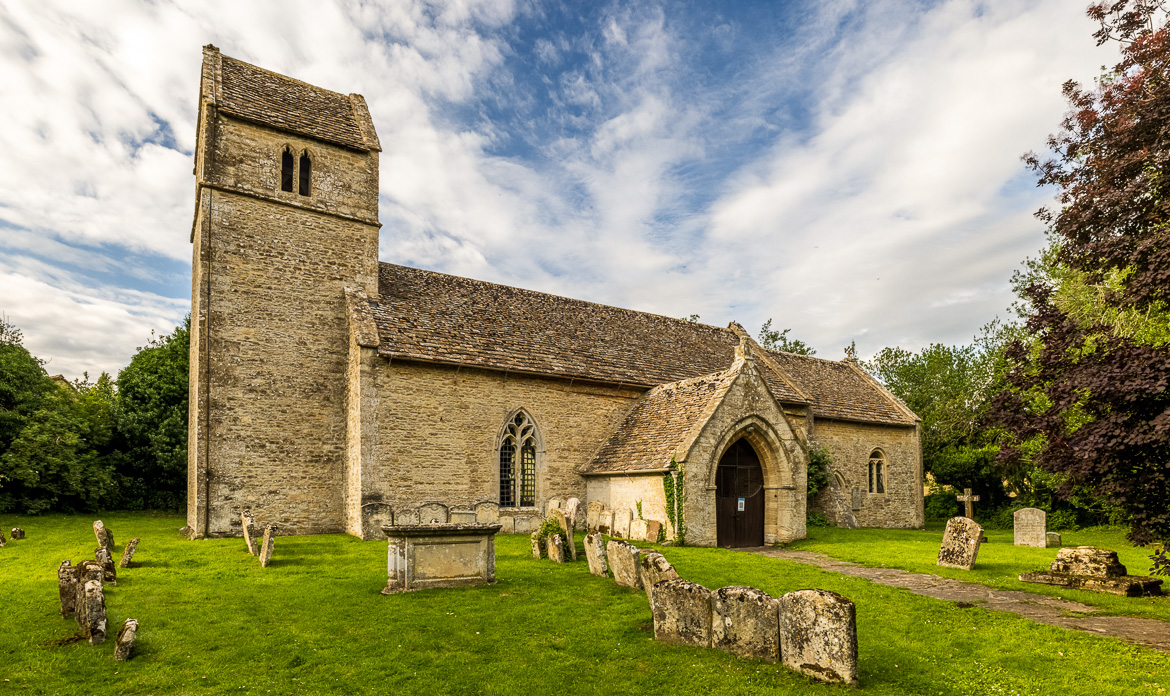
(638, 529)
(537, 545)
(1030, 526)
(960, 544)
(556, 548)
(572, 512)
(248, 522)
(593, 515)
(567, 527)
(267, 545)
(432, 513)
(94, 626)
(125, 640)
(682, 613)
(621, 523)
(652, 569)
(818, 635)
(105, 538)
(595, 554)
(623, 561)
(128, 554)
(746, 622)
(67, 587)
(17, 533)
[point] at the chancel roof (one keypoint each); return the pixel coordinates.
(437, 318)
(259, 95)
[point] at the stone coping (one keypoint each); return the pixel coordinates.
(448, 529)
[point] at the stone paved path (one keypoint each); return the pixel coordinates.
(1041, 608)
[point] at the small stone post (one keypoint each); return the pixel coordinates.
(67, 588)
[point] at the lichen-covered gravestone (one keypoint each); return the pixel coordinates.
(94, 613)
(652, 569)
(105, 538)
(556, 548)
(682, 613)
(3, 542)
(1031, 527)
(432, 513)
(960, 544)
(621, 523)
(572, 512)
(248, 522)
(128, 554)
(623, 561)
(562, 521)
(818, 635)
(537, 545)
(746, 622)
(593, 515)
(487, 512)
(125, 640)
(638, 529)
(1090, 568)
(461, 516)
(267, 545)
(17, 533)
(67, 588)
(595, 554)
(605, 522)
(109, 570)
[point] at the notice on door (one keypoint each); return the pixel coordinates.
(740, 509)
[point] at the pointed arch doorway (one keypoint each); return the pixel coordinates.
(739, 497)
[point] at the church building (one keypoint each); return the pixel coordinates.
(331, 392)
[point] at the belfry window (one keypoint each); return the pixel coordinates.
(518, 463)
(877, 472)
(306, 170)
(286, 170)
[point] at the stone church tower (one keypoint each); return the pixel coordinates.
(286, 221)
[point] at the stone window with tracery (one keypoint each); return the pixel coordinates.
(877, 472)
(518, 463)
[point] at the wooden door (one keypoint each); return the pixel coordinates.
(739, 498)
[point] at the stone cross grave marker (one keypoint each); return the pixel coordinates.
(1030, 527)
(967, 499)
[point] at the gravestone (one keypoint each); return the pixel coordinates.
(566, 526)
(652, 569)
(653, 528)
(960, 544)
(266, 546)
(432, 513)
(187, 532)
(621, 523)
(17, 533)
(105, 538)
(638, 529)
(128, 554)
(556, 548)
(1030, 525)
(818, 635)
(593, 515)
(623, 561)
(682, 613)
(537, 545)
(507, 525)
(1052, 539)
(375, 516)
(94, 613)
(248, 523)
(487, 512)
(109, 570)
(968, 501)
(553, 504)
(461, 516)
(3, 541)
(746, 622)
(527, 523)
(572, 512)
(1090, 568)
(409, 516)
(67, 587)
(605, 522)
(125, 640)
(595, 554)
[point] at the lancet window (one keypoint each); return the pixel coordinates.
(518, 463)
(877, 472)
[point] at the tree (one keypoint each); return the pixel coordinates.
(152, 423)
(23, 384)
(1088, 396)
(771, 339)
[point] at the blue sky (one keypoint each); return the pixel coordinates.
(850, 169)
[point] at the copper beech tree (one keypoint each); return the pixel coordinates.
(1088, 392)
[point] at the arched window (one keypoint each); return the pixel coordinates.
(286, 170)
(306, 171)
(877, 472)
(518, 463)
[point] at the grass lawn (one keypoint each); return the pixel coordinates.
(213, 621)
(999, 564)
